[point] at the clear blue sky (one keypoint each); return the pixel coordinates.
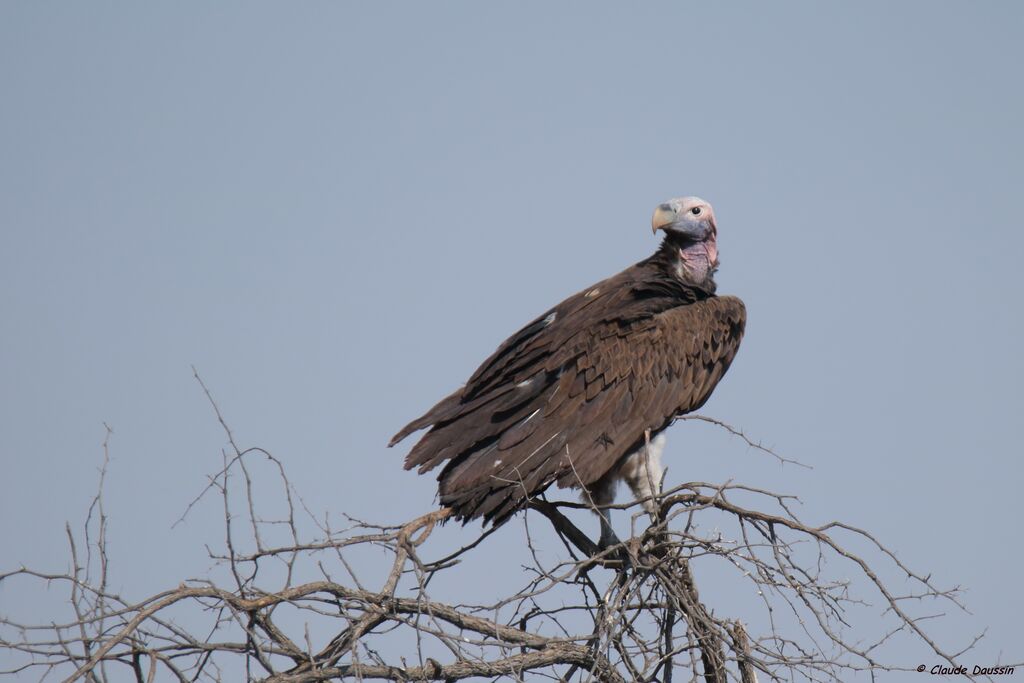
(335, 211)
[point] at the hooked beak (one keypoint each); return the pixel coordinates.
(664, 215)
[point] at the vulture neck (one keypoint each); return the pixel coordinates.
(691, 263)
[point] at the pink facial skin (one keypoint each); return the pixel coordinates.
(699, 259)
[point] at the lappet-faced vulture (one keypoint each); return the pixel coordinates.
(579, 397)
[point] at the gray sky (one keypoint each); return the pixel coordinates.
(336, 211)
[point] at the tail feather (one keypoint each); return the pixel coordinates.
(445, 409)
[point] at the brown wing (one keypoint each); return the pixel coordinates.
(570, 394)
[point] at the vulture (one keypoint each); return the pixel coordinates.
(579, 396)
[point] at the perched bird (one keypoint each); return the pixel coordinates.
(579, 397)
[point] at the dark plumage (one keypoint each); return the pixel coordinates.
(568, 397)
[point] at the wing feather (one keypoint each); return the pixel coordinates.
(571, 393)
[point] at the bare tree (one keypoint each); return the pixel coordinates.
(283, 606)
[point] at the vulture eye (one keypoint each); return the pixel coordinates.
(695, 211)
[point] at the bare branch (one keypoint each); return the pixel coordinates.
(274, 609)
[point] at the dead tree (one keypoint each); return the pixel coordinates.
(287, 606)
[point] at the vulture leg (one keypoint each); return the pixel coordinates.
(603, 493)
(642, 471)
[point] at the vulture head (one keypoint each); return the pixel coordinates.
(690, 237)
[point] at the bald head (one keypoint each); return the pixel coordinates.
(691, 217)
(690, 237)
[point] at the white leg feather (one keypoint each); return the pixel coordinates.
(642, 471)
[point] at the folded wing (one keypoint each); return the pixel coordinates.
(565, 398)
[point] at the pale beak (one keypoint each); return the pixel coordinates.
(664, 216)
